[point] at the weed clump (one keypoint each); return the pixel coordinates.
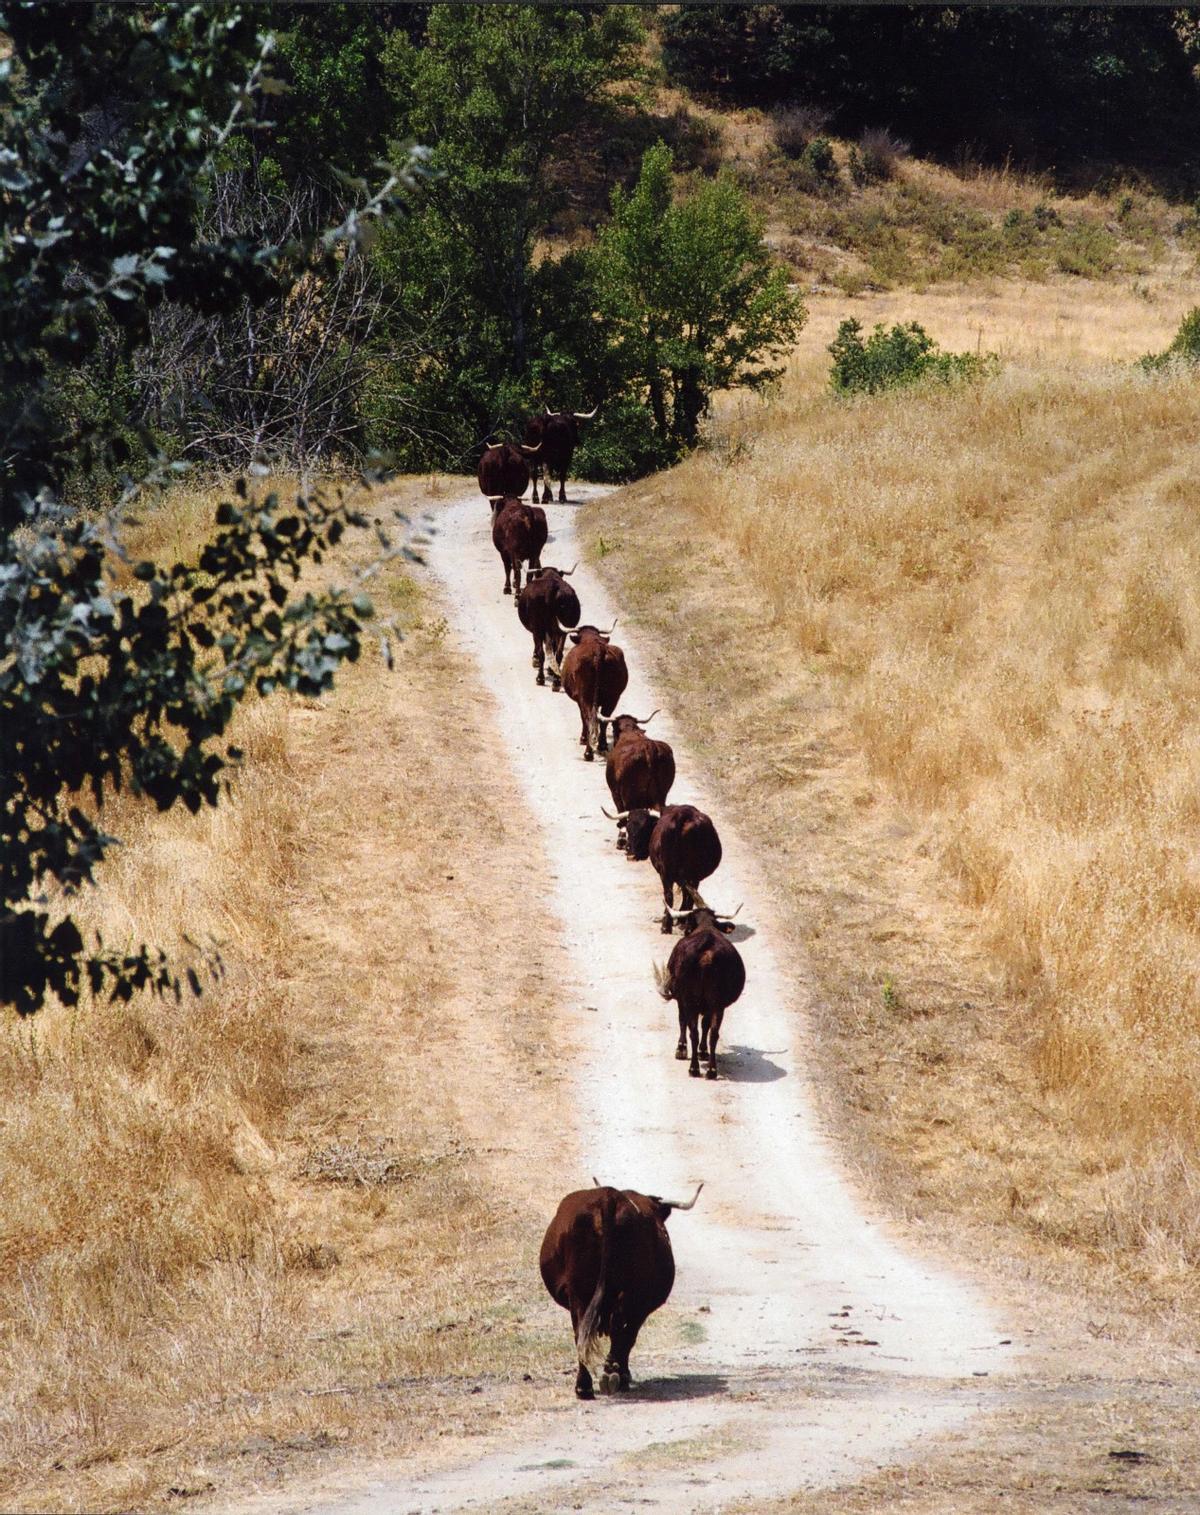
(889, 359)
(1184, 351)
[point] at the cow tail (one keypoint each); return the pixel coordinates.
(589, 1326)
(662, 980)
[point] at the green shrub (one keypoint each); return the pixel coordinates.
(1184, 350)
(889, 359)
(1086, 249)
(622, 444)
(817, 166)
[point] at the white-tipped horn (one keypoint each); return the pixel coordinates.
(493, 442)
(725, 915)
(619, 817)
(678, 1204)
(565, 573)
(611, 629)
(547, 409)
(529, 451)
(646, 721)
(584, 415)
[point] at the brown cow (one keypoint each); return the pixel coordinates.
(683, 847)
(595, 676)
(503, 469)
(606, 1257)
(519, 533)
(548, 607)
(639, 771)
(557, 433)
(704, 976)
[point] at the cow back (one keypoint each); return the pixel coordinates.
(706, 971)
(614, 676)
(641, 1267)
(684, 846)
(639, 772)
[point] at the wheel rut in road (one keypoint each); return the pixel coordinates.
(827, 1348)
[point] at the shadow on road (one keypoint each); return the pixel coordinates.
(687, 1386)
(747, 1065)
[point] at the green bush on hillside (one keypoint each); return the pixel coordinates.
(889, 359)
(1184, 348)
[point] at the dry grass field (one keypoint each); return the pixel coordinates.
(243, 1233)
(940, 648)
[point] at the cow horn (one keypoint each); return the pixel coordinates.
(597, 1182)
(619, 817)
(612, 628)
(529, 451)
(724, 914)
(565, 573)
(678, 1204)
(547, 409)
(648, 719)
(493, 442)
(584, 415)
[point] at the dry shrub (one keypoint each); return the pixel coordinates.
(1003, 580)
(793, 127)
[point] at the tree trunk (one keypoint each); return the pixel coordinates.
(689, 406)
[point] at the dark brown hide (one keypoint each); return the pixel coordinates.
(545, 606)
(518, 534)
(503, 471)
(683, 847)
(595, 676)
(606, 1257)
(705, 975)
(559, 436)
(639, 771)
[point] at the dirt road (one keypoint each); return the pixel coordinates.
(807, 1347)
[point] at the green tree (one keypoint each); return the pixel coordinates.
(691, 297)
(495, 91)
(112, 125)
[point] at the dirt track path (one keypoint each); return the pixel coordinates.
(778, 1268)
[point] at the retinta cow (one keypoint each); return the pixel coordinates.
(682, 845)
(639, 771)
(704, 976)
(504, 469)
(519, 533)
(557, 432)
(606, 1257)
(548, 607)
(595, 676)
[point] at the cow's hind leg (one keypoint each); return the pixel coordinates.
(668, 888)
(583, 1379)
(593, 735)
(617, 1366)
(507, 574)
(583, 729)
(681, 1048)
(562, 487)
(712, 1025)
(539, 659)
(694, 1035)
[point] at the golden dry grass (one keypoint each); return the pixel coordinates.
(277, 1221)
(980, 603)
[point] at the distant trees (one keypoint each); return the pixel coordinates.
(1055, 85)
(113, 126)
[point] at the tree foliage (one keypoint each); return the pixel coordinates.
(691, 299)
(113, 123)
(889, 359)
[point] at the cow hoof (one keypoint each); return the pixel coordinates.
(557, 687)
(587, 1393)
(507, 590)
(694, 1072)
(609, 1383)
(665, 928)
(541, 680)
(588, 755)
(712, 1073)
(681, 1054)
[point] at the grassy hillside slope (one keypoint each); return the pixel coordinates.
(940, 648)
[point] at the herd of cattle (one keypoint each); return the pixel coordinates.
(606, 1256)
